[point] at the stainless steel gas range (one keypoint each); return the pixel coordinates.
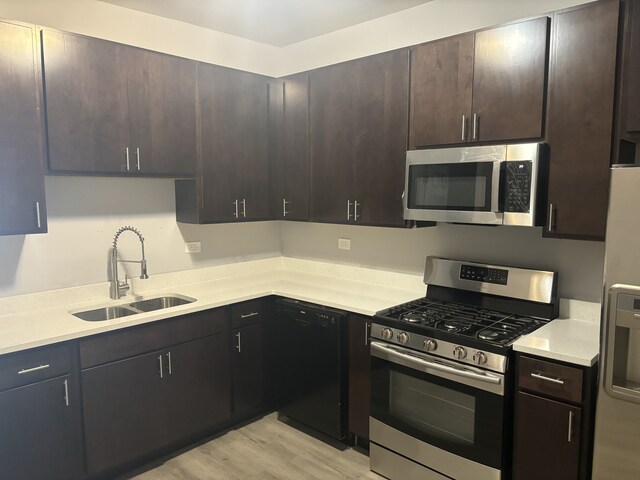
(441, 371)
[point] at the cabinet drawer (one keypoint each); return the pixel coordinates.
(552, 379)
(35, 365)
(246, 313)
(139, 340)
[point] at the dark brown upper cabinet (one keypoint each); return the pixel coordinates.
(484, 87)
(626, 148)
(580, 124)
(113, 109)
(358, 139)
(22, 202)
(289, 121)
(232, 182)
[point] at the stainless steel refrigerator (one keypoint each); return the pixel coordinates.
(617, 432)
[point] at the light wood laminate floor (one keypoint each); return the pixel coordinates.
(266, 449)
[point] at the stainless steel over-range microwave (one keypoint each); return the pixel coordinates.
(487, 185)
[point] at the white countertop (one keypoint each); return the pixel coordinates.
(574, 337)
(33, 320)
(38, 319)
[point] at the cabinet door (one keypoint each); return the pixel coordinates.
(125, 410)
(290, 165)
(247, 365)
(509, 81)
(547, 439)
(22, 203)
(358, 140)
(41, 431)
(233, 136)
(198, 387)
(380, 144)
(332, 138)
(86, 100)
(162, 112)
(441, 82)
(359, 376)
(581, 103)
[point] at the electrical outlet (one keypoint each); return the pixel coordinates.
(192, 247)
(344, 244)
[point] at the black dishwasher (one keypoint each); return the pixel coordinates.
(311, 359)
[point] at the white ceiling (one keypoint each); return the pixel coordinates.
(274, 22)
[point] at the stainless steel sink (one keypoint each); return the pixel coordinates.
(133, 308)
(161, 302)
(106, 313)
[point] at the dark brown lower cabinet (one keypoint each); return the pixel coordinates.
(554, 418)
(547, 439)
(359, 376)
(136, 406)
(247, 370)
(40, 431)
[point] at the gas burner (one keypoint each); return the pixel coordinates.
(412, 318)
(488, 335)
(453, 326)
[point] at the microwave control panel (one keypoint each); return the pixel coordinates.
(517, 197)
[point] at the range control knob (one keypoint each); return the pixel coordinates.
(480, 358)
(460, 352)
(403, 337)
(430, 345)
(387, 334)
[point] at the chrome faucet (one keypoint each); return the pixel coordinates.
(117, 288)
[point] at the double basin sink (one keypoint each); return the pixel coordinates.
(133, 308)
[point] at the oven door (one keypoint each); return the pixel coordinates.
(461, 189)
(456, 408)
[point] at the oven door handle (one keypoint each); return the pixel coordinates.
(413, 361)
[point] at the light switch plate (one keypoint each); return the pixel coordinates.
(344, 244)
(192, 247)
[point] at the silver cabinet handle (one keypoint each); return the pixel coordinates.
(126, 153)
(33, 369)
(236, 204)
(539, 376)
(138, 158)
(570, 429)
(366, 334)
(239, 345)
(244, 207)
(66, 392)
(160, 369)
(355, 210)
(252, 314)
(464, 128)
(284, 207)
(348, 210)
(475, 126)
(551, 210)
(38, 219)
(169, 363)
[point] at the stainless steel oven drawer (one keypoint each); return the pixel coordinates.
(391, 465)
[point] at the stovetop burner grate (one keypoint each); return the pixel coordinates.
(469, 321)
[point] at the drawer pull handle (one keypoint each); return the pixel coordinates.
(161, 368)
(570, 430)
(34, 369)
(539, 376)
(252, 314)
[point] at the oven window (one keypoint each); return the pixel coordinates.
(456, 186)
(439, 411)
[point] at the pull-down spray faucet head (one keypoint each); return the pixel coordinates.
(118, 288)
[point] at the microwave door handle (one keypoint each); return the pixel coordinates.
(495, 186)
(416, 363)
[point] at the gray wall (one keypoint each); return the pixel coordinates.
(579, 263)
